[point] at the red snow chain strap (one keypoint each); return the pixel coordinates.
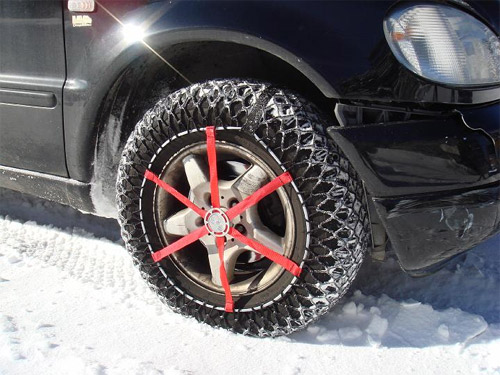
(152, 177)
(223, 275)
(180, 244)
(268, 253)
(214, 192)
(231, 213)
(212, 165)
(264, 191)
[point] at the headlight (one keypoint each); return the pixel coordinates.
(443, 44)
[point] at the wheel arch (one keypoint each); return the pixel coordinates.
(200, 56)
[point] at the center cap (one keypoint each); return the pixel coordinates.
(217, 222)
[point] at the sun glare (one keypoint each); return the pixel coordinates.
(133, 33)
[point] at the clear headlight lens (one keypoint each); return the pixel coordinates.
(444, 44)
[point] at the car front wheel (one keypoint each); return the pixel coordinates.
(238, 210)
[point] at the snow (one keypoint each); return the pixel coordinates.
(72, 303)
(106, 160)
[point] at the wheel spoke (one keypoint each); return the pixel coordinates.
(261, 233)
(268, 238)
(268, 253)
(196, 171)
(214, 262)
(250, 181)
(180, 244)
(261, 193)
(230, 257)
(181, 223)
(154, 178)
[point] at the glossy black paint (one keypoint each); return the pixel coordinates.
(486, 118)
(387, 80)
(435, 181)
(338, 45)
(427, 230)
(434, 153)
(58, 83)
(57, 189)
(32, 73)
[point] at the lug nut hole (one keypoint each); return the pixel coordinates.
(199, 222)
(240, 228)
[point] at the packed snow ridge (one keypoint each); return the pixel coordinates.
(71, 302)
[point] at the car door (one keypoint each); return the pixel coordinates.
(32, 74)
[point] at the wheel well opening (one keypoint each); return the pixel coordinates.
(148, 79)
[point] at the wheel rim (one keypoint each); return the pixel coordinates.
(241, 173)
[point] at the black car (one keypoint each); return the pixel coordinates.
(255, 151)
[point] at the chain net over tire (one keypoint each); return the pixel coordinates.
(318, 220)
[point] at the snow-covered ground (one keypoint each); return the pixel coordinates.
(72, 303)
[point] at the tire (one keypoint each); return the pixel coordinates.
(326, 201)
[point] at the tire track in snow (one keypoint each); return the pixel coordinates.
(72, 250)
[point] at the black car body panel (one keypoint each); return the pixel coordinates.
(434, 178)
(32, 74)
(426, 230)
(321, 39)
(428, 153)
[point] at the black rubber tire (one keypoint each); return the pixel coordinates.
(293, 131)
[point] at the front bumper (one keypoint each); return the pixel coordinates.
(434, 179)
(428, 229)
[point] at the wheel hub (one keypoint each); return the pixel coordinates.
(217, 222)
